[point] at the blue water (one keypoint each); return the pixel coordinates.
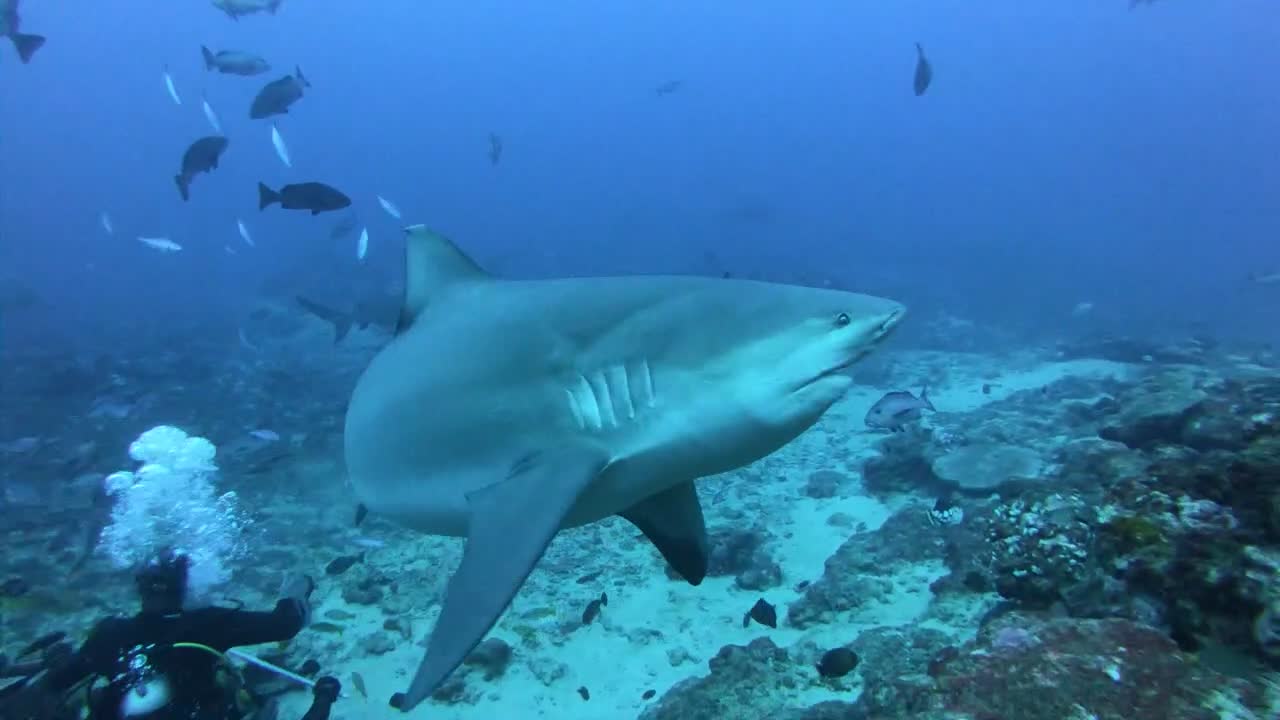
(1066, 152)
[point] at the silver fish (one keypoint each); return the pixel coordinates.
(897, 408)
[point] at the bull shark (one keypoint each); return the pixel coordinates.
(504, 411)
(375, 310)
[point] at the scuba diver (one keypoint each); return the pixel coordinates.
(165, 663)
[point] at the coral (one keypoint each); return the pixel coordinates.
(985, 467)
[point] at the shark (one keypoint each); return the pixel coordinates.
(503, 411)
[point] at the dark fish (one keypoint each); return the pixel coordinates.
(234, 62)
(326, 627)
(895, 409)
(584, 692)
(339, 565)
(344, 227)
(339, 615)
(763, 613)
(202, 156)
(495, 149)
(10, 22)
(309, 668)
(837, 663)
(382, 314)
(358, 681)
(313, 196)
(237, 8)
(648, 695)
(924, 72)
(593, 608)
(362, 511)
(668, 87)
(276, 96)
(589, 577)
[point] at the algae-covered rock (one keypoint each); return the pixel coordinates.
(986, 467)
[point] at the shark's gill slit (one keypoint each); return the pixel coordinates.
(621, 389)
(646, 383)
(573, 408)
(600, 383)
(587, 403)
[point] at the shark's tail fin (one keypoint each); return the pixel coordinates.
(209, 62)
(297, 72)
(266, 196)
(924, 398)
(27, 45)
(184, 186)
(341, 321)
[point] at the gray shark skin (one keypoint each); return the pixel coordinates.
(505, 411)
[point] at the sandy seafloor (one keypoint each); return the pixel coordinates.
(656, 631)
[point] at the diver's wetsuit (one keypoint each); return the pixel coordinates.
(127, 652)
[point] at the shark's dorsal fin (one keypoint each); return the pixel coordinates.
(432, 262)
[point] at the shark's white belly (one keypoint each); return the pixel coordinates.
(660, 427)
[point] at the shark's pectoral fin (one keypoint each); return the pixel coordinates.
(672, 520)
(511, 522)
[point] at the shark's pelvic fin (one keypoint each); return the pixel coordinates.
(432, 262)
(672, 520)
(511, 523)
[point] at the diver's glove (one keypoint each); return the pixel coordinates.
(326, 692)
(327, 689)
(299, 589)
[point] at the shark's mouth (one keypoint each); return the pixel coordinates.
(886, 326)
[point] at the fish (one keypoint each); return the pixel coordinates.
(837, 662)
(668, 87)
(234, 62)
(389, 206)
(276, 96)
(495, 148)
(1081, 309)
(584, 693)
(374, 310)
(236, 9)
(313, 196)
(327, 627)
(210, 115)
(1271, 278)
(339, 565)
(362, 245)
(105, 219)
(358, 682)
(368, 542)
(339, 615)
(762, 612)
(201, 157)
(924, 72)
(593, 608)
(343, 227)
(897, 408)
(282, 151)
(244, 233)
(10, 23)
(265, 435)
(608, 397)
(163, 244)
(168, 85)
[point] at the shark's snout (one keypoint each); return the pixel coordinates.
(890, 321)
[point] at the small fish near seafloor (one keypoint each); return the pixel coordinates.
(762, 612)
(201, 157)
(897, 408)
(593, 608)
(313, 196)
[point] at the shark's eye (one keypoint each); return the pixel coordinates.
(842, 319)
